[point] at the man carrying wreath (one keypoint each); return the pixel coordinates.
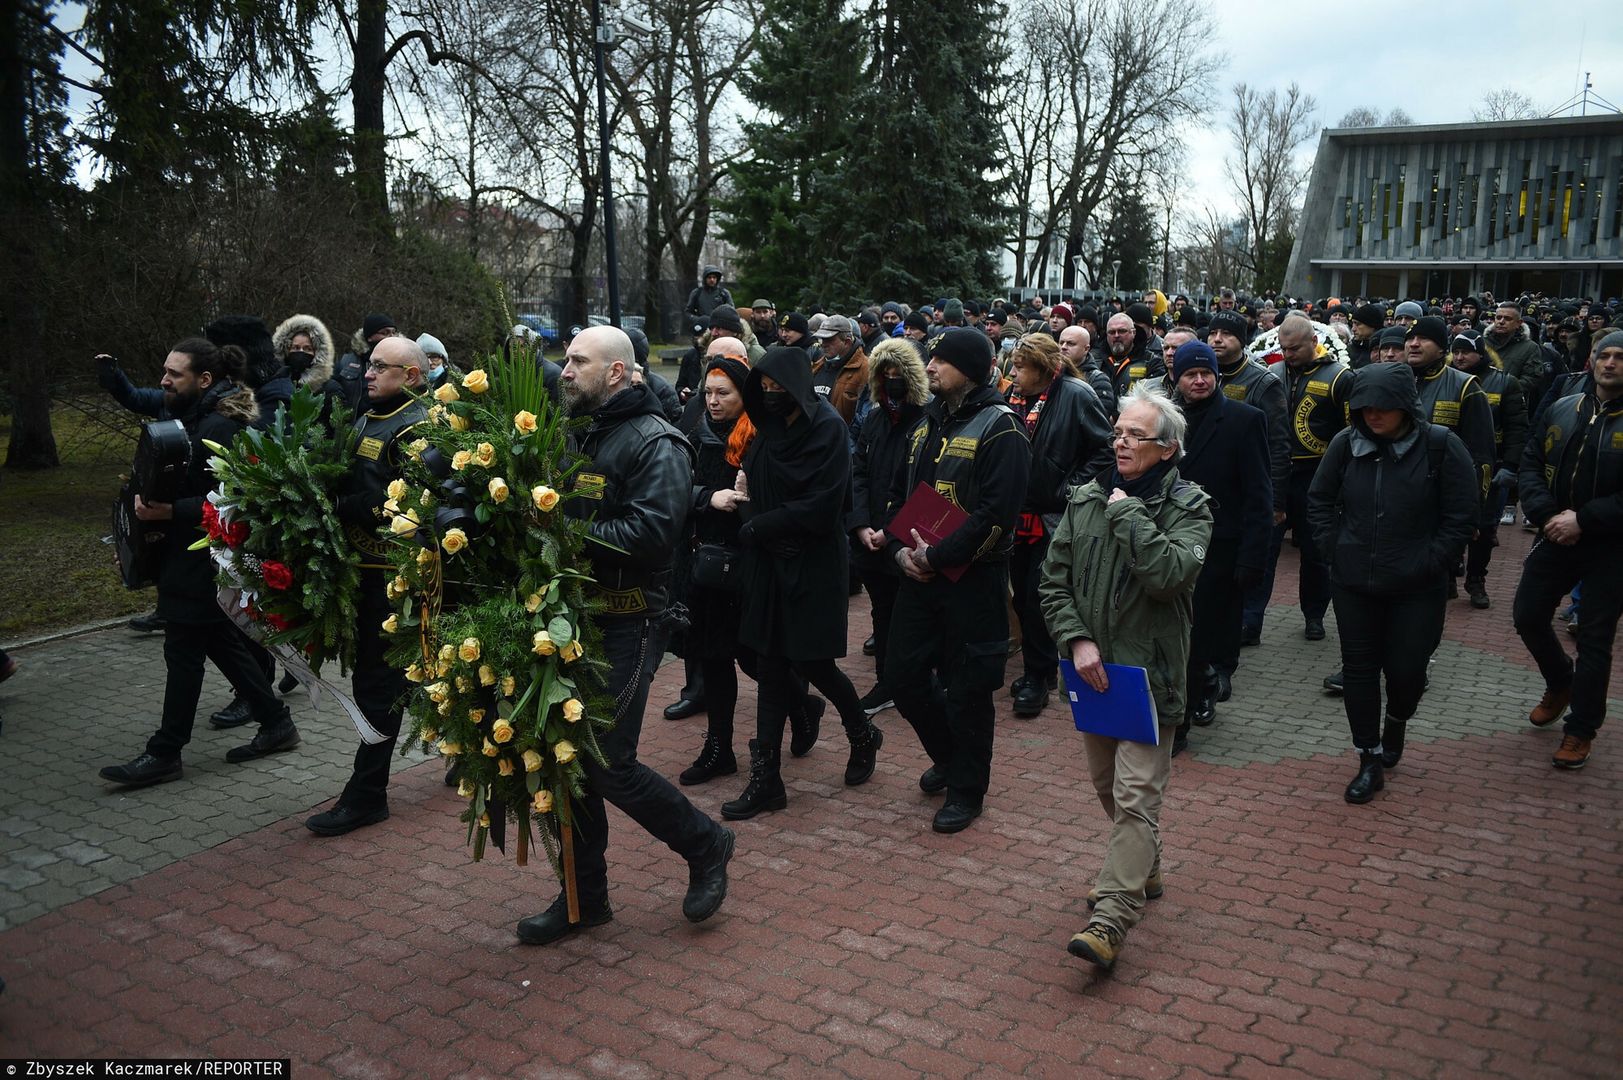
(394, 369)
(634, 493)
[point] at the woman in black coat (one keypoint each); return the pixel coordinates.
(796, 482)
(1392, 506)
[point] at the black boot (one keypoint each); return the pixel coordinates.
(1477, 589)
(236, 714)
(1370, 779)
(805, 724)
(1032, 697)
(865, 746)
(765, 789)
(714, 760)
(288, 684)
(1392, 742)
(1201, 711)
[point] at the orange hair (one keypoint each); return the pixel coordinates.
(738, 440)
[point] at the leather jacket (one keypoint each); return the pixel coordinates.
(1070, 446)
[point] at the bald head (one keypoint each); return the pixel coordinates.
(727, 346)
(1074, 343)
(396, 363)
(599, 365)
(1298, 342)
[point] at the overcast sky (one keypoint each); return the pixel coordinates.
(1435, 62)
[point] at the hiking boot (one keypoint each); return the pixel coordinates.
(1032, 697)
(877, 700)
(553, 923)
(764, 790)
(1370, 779)
(1477, 590)
(865, 746)
(1550, 707)
(236, 714)
(271, 738)
(1574, 752)
(1313, 630)
(956, 815)
(1154, 888)
(1099, 944)
(805, 725)
(707, 880)
(714, 760)
(143, 771)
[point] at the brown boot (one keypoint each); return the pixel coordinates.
(1574, 752)
(1099, 944)
(1550, 707)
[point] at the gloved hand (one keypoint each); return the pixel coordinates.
(106, 372)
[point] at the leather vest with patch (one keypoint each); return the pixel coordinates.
(376, 463)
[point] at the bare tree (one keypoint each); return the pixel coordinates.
(1093, 88)
(1364, 116)
(1504, 104)
(1210, 250)
(1268, 130)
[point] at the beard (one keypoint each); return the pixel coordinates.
(1119, 349)
(179, 404)
(580, 400)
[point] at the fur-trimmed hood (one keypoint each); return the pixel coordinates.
(904, 356)
(232, 402)
(320, 371)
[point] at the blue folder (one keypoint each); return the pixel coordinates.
(1125, 711)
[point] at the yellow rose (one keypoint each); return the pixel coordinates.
(447, 393)
(502, 731)
(438, 691)
(450, 749)
(498, 489)
(417, 446)
(543, 497)
(509, 685)
(461, 459)
(476, 716)
(564, 751)
(487, 675)
(444, 708)
(458, 422)
(532, 603)
(425, 557)
(489, 749)
(542, 644)
(404, 524)
(476, 381)
(397, 489)
(525, 422)
(532, 761)
(454, 541)
(415, 673)
(484, 454)
(573, 710)
(391, 624)
(429, 735)
(469, 649)
(572, 651)
(447, 654)
(391, 506)
(464, 789)
(437, 413)
(542, 803)
(505, 766)
(463, 685)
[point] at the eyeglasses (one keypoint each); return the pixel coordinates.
(1132, 440)
(379, 365)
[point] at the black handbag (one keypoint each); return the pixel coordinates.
(715, 566)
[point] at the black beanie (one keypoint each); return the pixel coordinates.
(795, 321)
(967, 349)
(1372, 315)
(374, 323)
(1140, 313)
(1231, 322)
(1087, 313)
(725, 318)
(916, 320)
(1431, 328)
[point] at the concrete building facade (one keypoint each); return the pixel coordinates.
(1450, 209)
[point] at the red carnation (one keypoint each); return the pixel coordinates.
(211, 520)
(234, 534)
(276, 575)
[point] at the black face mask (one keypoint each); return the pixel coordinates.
(896, 388)
(778, 402)
(298, 362)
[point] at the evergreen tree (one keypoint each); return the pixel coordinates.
(1130, 235)
(780, 190)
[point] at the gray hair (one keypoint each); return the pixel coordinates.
(1170, 423)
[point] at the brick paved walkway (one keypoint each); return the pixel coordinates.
(1464, 924)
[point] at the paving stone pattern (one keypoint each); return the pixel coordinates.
(1464, 924)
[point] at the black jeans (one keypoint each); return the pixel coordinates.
(721, 697)
(185, 645)
(632, 647)
(377, 687)
(1313, 580)
(882, 588)
(1038, 656)
(1215, 635)
(1550, 572)
(959, 629)
(1395, 635)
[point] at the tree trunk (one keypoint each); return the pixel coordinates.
(371, 159)
(23, 227)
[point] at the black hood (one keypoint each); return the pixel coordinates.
(637, 399)
(791, 369)
(1384, 386)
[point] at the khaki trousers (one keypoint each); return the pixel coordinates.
(1130, 778)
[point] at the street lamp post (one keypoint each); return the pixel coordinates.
(604, 37)
(1076, 263)
(1115, 269)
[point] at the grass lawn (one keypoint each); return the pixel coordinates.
(54, 570)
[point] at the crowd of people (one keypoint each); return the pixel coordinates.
(1121, 477)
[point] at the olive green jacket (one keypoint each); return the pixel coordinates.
(1123, 576)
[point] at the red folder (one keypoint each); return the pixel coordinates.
(935, 518)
